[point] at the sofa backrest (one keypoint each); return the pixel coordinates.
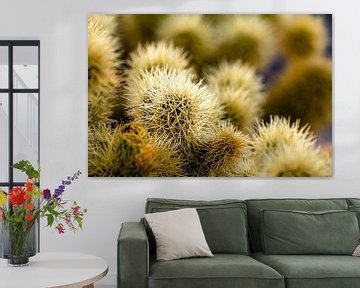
(223, 221)
(255, 206)
(353, 202)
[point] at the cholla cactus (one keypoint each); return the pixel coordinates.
(103, 57)
(326, 154)
(168, 161)
(270, 17)
(107, 22)
(234, 76)
(123, 151)
(137, 28)
(128, 31)
(239, 90)
(127, 150)
(303, 91)
(239, 108)
(102, 69)
(282, 149)
(216, 19)
(296, 162)
(100, 108)
(223, 153)
(171, 106)
(248, 38)
(191, 32)
(157, 55)
(172, 124)
(302, 36)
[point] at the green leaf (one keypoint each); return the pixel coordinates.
(50, 219)
(26, 167)
(79, 221)
(53, 211)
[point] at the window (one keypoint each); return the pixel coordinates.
(19, 108)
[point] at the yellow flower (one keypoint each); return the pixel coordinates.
(3, 198)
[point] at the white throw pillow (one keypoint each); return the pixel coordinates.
(357, 251)
(178, 234)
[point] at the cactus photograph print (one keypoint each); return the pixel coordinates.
(210, 95)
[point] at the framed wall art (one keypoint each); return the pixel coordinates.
(210, 95)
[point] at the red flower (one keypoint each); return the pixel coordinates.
(17, 196)
(75, 209)
(29, 186)
(60, 228)
(68, 219)
(27, 196)
(29, 206)
(29, 217)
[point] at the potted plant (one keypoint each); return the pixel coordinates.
(21, 208)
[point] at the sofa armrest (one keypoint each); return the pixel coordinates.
(133, 256)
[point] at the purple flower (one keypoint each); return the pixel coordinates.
(57, 193)
(46, 194)
(68, 181)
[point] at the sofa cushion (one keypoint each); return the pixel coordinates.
(297, 232)
(254, 216)
(222, 270)
(314, 271)
(354, 205)
(356, 209)
(223, 221)
(353, 201)
(178, 234)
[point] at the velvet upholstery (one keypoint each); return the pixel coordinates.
(353, 201)
(294, 232)
(315, 271)
(223, 221)
(356, 209)
(222, 270)
(137, 269)
(255, 206)
(133, 256)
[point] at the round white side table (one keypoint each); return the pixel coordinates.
(50, 270)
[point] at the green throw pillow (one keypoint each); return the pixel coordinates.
(299, 232)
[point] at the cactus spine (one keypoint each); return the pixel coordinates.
(282, 149)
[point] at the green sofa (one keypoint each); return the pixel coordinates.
(235, 234)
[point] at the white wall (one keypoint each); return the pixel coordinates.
(4, 130)
(62, 28)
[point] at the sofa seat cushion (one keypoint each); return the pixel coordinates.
(222, 270)
(314, 271)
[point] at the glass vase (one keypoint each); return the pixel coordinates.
(18, 242)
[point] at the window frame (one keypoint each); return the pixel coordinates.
(10, 91)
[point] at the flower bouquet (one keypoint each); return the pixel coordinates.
(21, 208)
